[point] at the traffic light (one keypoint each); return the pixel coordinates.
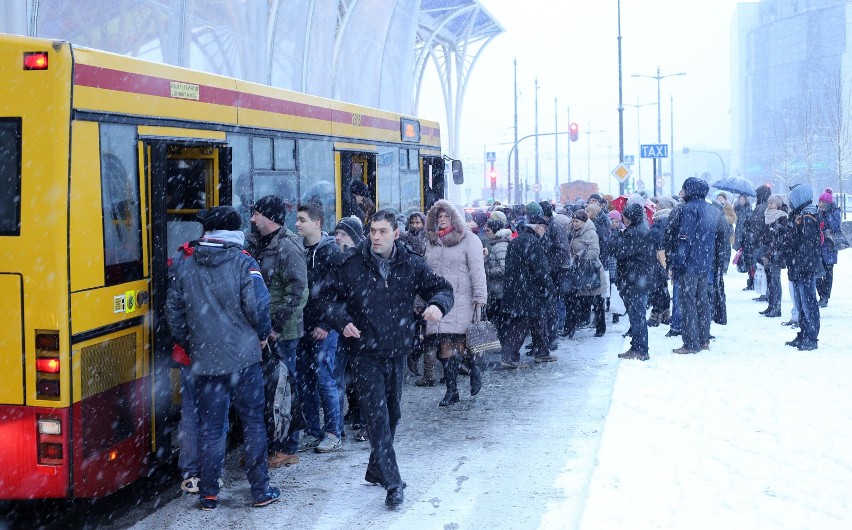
(493, 176)
(573, 132)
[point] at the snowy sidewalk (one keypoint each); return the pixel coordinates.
(752, 434)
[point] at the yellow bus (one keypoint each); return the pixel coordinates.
(104, 161)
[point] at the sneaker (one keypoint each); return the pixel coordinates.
(546, 359)
(807, 346)
(361, 435)
(271, 495)
(642, 357)
(209, 503)
(705, 346)
(279, 459)
(684, 350)
(308, 442)
(823, 302)
(190, 485)
(788, 323)
(329, 444)
(509, 365)
(673, 333)
(629, 354)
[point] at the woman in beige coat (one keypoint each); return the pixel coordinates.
(454, 253)
(585, 246)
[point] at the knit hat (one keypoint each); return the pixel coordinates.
(534, 208)
(827, 195)
(272, 207)
(581, 215)
(219, 218)
(546, 208)
(634, 212)
(776, 200)
(593, 210)
(495, 225)
(498, 215)
(353, 228)
(596, 197)
(535, 219)
(615, 214)
(357, 187)
(504, 233)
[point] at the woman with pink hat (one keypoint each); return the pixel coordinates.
(830, 220)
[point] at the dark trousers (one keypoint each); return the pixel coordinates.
(599, 311)
(659, 295)
(806, 298)
(773, 288)
(695, 310)
(517, 329)
(824, 284)
(636, 305)
(271, 370)
(215, 393)
(285, 350)
(378, 382)
(578, 308)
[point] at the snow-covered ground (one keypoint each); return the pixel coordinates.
(752, 434)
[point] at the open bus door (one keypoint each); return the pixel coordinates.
(361, 167)
(183, 176)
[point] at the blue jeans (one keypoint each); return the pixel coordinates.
(695, 310)
(794, 313)
(340, 376)
(286, 351)
(315, 375)
(636, 305)
(189, 426)
(806, 298)
(214, 393)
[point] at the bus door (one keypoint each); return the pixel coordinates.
(183, 176)
(432, 176)
(356, 166)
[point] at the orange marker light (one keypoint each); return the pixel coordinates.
(112, 456)
(35, 61)
(48, 365)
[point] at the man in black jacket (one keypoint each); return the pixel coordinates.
(804, 265)
(635, 251)
(526, 293)
(374, 291)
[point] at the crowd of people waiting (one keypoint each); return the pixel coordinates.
(332, 318)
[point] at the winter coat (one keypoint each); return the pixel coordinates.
(723, 248)
(803, 249)
(586, 246)
(658, 234)
(217, 308)
(722, 256)
(323, 258)
(696, 231)
(381, 308)
(557, 242)
(495, 266)
(458, 258)
(285, 272)
(603, 228)
(743, 214)
(830, 222)
(635, 252)
(771, 246)
(527, 277)
(731, 219)
(416, 243)
(756, 226)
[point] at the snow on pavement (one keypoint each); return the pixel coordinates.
(752, 434)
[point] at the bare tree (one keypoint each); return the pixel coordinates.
(837, 121)
(808, 125)
(782, 148)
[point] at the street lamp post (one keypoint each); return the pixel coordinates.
(659, 78)
(638, 106)
(687, 150)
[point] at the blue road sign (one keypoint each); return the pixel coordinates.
(628, 160)
(654, 150)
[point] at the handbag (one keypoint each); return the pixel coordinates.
(759, 279)
(838, 238)
(481, 337)
(737, 257)
(581, 275)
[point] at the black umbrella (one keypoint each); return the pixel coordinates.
(737, 185)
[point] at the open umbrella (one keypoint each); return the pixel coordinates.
(737, 185)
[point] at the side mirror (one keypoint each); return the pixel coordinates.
(458, 173)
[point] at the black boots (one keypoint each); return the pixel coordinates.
(451, 373)
(475, 376)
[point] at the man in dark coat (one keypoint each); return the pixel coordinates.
(635, 250)
(755, 231)
(374, 293)
(692, 263)
(526, 293)
(557, 243)
(804, 264)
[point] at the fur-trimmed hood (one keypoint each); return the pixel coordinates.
(460, 228)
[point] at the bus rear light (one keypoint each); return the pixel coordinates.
(47, 365)
(50, 426)
(47, 341)
(35, 61)
(49, 453)
(113, 455)
(47, 389)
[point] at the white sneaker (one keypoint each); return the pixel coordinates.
(328, 444)
(190, 485)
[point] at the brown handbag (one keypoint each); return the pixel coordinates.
(481, 337)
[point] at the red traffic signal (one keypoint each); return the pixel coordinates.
(573, 132)
(493, 176)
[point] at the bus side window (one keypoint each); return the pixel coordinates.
(121, 213)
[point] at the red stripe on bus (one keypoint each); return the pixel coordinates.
(109, 79)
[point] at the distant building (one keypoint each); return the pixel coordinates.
(790, 78)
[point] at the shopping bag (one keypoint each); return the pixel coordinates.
(759, 279)
(481, 337)
(737, 257)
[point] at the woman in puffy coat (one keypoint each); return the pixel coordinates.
(454, 253)
(495, 268)
(829, 215)
(586, 247)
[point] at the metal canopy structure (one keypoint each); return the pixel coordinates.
(453, 33)
(369, 52)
